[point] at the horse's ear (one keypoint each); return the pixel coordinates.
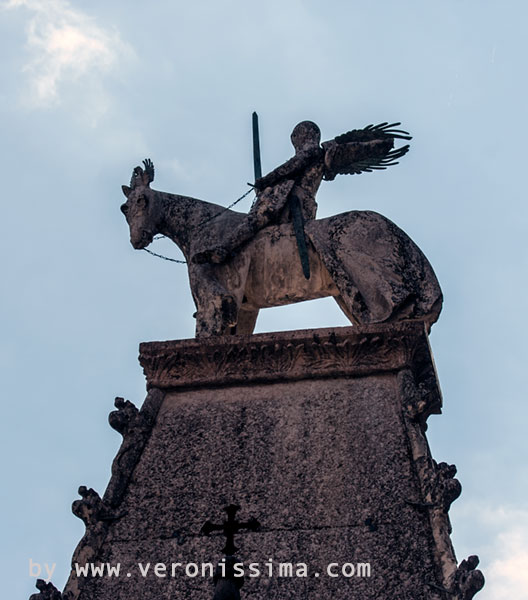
(126, 190)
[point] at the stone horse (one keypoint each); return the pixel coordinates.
(375, 272)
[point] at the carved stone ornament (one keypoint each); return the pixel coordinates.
(124, 418)
(351, 351)
(446, 489)
(96, 516)
(468, 579)
(91, 509)
(135, 427)
(47, 591)
(439, 489)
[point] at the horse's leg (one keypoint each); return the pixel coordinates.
(247, 318)
(235, 275)
(217, 317)
(216, 307)
(218, 293)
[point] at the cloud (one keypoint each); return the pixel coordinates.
(176, 166)
(507, 575)
(507, 551)
(67, 46)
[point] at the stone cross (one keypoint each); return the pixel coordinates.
(230, 528)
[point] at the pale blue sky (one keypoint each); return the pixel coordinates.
(90, 89)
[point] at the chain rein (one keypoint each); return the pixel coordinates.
(200, 225)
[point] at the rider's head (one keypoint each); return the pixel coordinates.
(305, 135)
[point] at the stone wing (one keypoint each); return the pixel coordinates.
(364, 150)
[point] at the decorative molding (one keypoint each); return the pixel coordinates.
(291, 355)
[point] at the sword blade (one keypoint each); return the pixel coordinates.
(298, 228)
(257, 167)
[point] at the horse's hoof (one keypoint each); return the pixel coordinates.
(229, 310)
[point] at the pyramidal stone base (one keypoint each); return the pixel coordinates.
(318, 436)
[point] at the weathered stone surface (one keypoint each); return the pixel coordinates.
(278, 452)
(402, 565)
(278, 253)
(326, 450)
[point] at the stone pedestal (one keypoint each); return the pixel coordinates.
(317, 434)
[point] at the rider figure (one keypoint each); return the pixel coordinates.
(300, 176)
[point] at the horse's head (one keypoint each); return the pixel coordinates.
(141, 209)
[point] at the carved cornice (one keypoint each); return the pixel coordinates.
(291, 355)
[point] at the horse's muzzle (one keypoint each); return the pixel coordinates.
(143, 241)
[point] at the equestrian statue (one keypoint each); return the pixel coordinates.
(279, 253)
